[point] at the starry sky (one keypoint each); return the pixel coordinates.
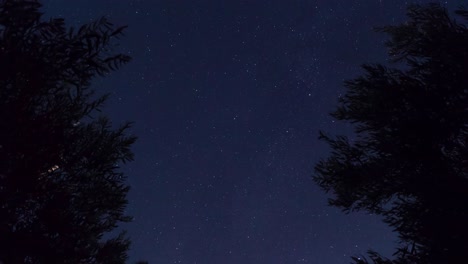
(227, 97)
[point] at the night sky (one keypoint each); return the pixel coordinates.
(227, 99)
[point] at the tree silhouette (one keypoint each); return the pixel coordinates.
(408, 159)
(60, 185)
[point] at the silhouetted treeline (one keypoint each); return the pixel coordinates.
(61, 189)
(409, 160)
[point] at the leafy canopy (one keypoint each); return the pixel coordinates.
(408, 160)
(61, 189)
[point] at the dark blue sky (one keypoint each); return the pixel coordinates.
(227, 97)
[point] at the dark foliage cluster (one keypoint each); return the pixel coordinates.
(409, 160)
(61, 189)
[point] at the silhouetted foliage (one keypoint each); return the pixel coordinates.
(408, 161)
(60, 185)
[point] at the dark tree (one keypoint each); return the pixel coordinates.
(61, 189)
(408, 159)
